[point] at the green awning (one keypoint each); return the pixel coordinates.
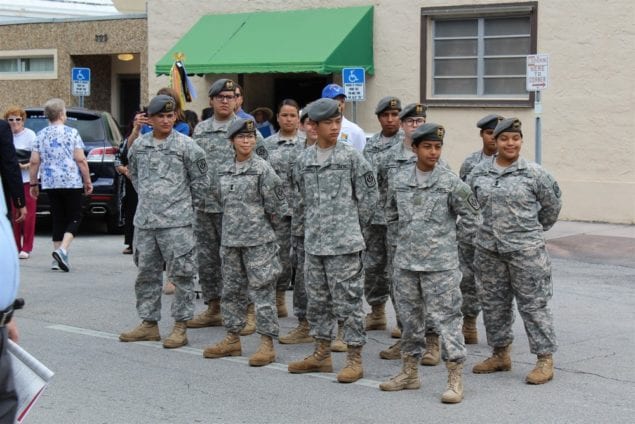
(310, 40)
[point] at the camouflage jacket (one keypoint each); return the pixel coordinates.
(170, 178)
(470, 162)
(427, 218)
(374, 152)
(517, 205)
(282, 155)
(336, 200)
(249, 197)
(219, 152)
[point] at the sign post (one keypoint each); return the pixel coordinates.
(537, 80)
(354, 81)
(80, 78)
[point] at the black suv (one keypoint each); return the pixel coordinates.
(101, 137)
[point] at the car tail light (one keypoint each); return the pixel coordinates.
(102, 154)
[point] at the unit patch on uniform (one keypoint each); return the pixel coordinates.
(262, 152)
(556, 189)
(471, 199)
(369, 177)
(279, 190)
(202, 165)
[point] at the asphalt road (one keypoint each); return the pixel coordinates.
(72, 320)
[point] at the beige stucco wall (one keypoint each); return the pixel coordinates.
(76, 46)
(589, 106)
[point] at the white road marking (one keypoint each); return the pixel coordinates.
(199, 352)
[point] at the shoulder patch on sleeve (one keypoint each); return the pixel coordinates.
(369, 178)
(279, 191)
(262, 152)
(471, 199)
(202, 165)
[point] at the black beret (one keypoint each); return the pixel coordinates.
(508, 125)
(222, 84)
(241, 125)
(489, 122)
(323, 108)
(429, 132)
(161, 103)
(388, 103)
(413, 110)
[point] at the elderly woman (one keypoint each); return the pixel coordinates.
(23, 139)
(59, 151)
(519, 200)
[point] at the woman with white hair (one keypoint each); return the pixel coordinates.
(58, 155)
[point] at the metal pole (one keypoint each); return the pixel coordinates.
(355, 111)
(538, 110)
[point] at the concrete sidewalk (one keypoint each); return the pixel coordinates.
(593, 242)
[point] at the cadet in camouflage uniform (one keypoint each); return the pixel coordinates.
(393, 161)
(376, 268)
(471, 305)
(211, 136)
(169, 172)
(250, 192)
(425, 202)
(338, 194)
(519, 201)
(283, 148)
(299, 334)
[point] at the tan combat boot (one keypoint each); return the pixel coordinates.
(395, 333)
(178, 337)
(229, 346)
(298, 335)
(454, 392)
(319, 361)
(250, 321)
(210, 317)
(499, 361)
(392, 353)
(147, 331)
(338, 344)
(265, 353)
(408, 378)
(376, 319)
(432, 355)
(469, 330)
(543, 372)
(353, 370)
(281, 304)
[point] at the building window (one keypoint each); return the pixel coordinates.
(476, 55)
(28, 64)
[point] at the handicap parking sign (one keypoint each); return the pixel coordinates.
(354, 81)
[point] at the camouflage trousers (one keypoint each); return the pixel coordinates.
(335, 291)
(250, 273)
(207, 228)
(376, 268)
(471, 304)
(176, 248)
(299, 289)
(434, 294)
(282, 228)
(524, 275)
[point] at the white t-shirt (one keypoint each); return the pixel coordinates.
(24, 141)
(352, 134)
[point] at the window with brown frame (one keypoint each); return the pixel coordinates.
(476, 55)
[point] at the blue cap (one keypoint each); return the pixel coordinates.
(332, 91)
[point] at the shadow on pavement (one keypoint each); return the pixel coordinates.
(594, 249)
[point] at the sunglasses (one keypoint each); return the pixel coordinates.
(14, 119)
